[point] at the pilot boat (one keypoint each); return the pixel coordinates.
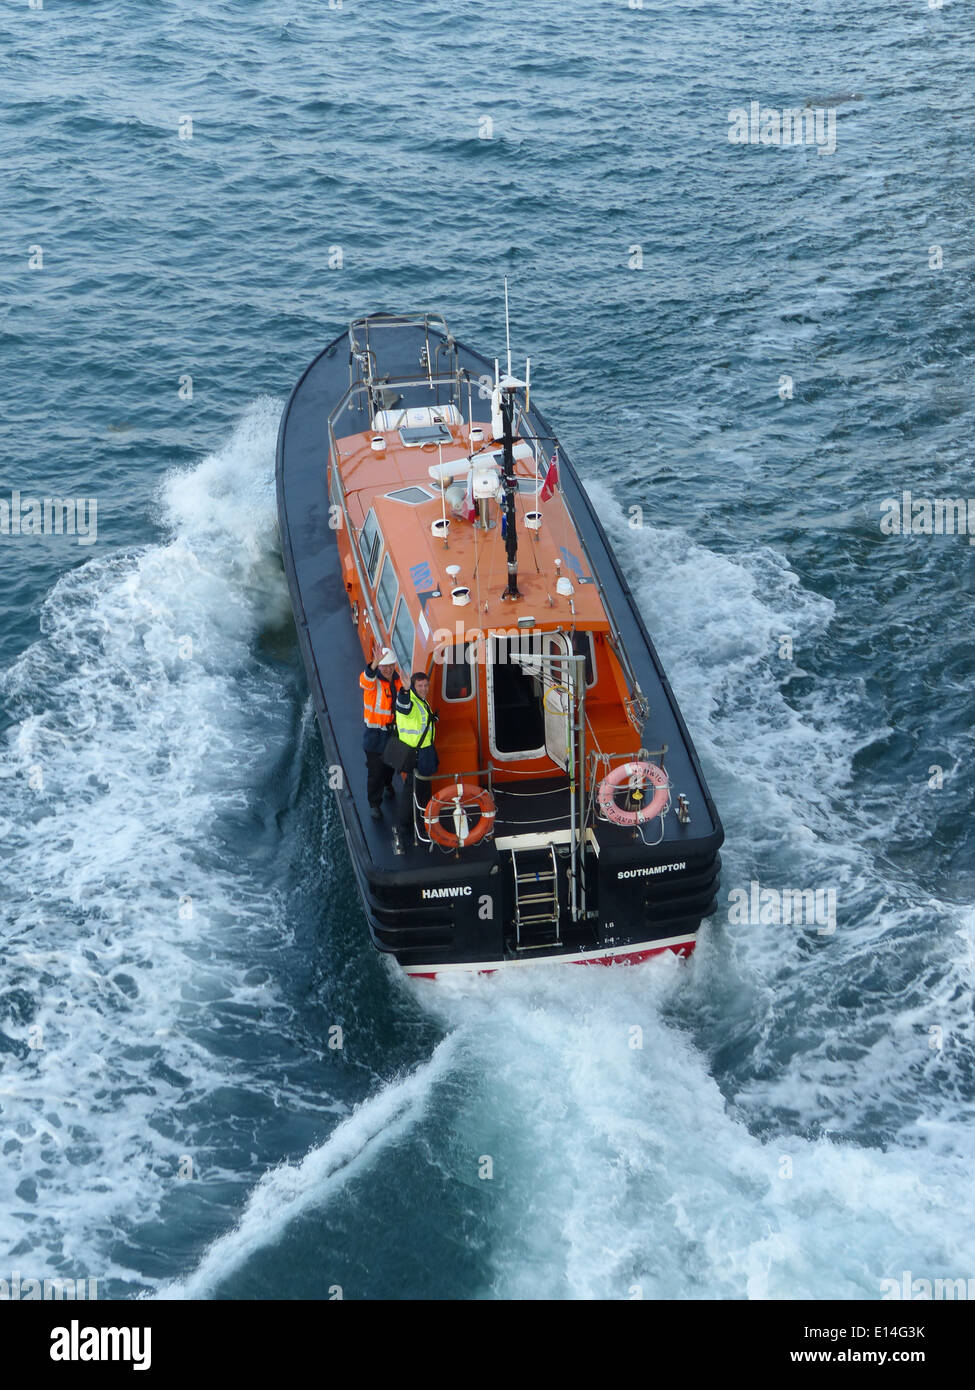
(426, 506)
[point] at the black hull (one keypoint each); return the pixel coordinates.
(431, 910)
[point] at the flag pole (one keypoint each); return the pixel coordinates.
(470, 455)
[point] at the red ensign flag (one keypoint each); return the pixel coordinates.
(551, 478)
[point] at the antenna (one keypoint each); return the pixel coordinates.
(507, 327)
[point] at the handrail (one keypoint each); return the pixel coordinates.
(641, 755)
(417, 320)
(549, 791)
(364, 353)
(454, 776)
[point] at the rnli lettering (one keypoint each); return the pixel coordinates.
(462, 891)
(645, 873)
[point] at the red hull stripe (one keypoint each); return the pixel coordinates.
(680, 947)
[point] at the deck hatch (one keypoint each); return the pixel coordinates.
(413, 496)
(415, 435)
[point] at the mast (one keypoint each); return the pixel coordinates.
(510, 488)
(505, 390)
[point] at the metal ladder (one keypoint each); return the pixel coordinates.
(536, 900)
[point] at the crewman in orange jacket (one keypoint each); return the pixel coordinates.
(380, 684)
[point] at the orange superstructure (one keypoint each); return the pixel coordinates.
(411, 566)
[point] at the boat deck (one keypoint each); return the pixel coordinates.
(333, 655)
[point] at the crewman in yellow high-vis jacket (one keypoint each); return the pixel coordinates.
(416, 727)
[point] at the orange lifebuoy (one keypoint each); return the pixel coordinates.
(455, 798)
(636, 775)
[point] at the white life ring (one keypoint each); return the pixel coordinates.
(635, 775)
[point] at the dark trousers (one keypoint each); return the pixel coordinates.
(379, 775)
(426, 765)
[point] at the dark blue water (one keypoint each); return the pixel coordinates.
(181, 935)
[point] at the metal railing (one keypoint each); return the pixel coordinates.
(361, 350)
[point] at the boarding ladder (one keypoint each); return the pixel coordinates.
(537, 907)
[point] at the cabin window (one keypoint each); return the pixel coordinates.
(370, 546)
(458, 672)
(386, 592)
(403, 637)
(582, 646)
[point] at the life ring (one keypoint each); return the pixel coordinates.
(635, 775)
(455, 798)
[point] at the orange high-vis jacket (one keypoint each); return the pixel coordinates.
(378, 699)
